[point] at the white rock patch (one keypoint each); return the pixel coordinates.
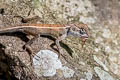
(100, 63)
(67, 72)
(88, 75)
(46, 62)
(106, 33)
(102, 74)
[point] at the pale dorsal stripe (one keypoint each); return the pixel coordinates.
(38, 27)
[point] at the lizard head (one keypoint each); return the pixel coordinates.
(79, 30)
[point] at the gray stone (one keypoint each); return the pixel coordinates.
(102, 74)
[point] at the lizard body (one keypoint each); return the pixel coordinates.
(34, 29)
(60, 31)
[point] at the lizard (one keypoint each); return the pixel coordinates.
(61, 31)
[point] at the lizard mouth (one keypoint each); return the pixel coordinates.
(84, 38)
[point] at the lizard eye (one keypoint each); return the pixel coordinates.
(82, 31)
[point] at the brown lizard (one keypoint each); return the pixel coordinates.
(61, 31)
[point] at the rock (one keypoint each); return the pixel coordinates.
(46, 62)
(67, 72)
(114, 66)
(89, 75)
(102, 74)
(87, 19)
(82, 79)
(98, 40)
(71, 10)
(106, 33)
(108, 49)
(100, 63)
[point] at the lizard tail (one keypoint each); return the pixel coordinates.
(10, 30)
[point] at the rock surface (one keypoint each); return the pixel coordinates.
(102, 74)
(46, 63)
(98, 59)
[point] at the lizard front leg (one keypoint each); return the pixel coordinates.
(27, 45)
(58, 43)
(28, 48)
